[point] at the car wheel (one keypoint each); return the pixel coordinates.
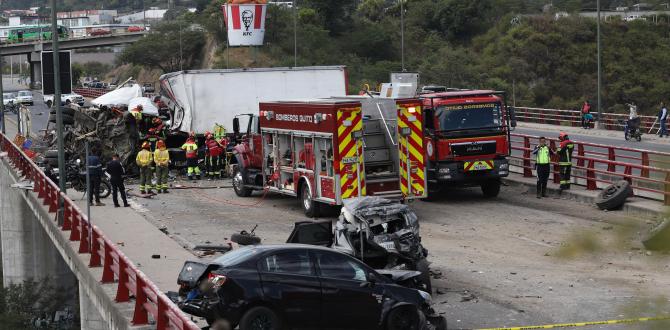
(403, 318)
(491, 188)
(245, 238)
(613, 195)
(260, 318)
(238, 185)
(309, 206)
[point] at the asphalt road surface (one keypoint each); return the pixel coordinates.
(510, 261)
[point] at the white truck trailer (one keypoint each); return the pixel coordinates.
(199, 99)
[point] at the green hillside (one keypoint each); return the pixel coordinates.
(500, 44)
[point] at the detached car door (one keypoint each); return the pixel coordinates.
(349, 300)
(290, 283)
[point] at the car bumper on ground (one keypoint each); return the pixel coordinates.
(455, 172)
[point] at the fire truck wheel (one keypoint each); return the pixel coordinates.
(238, 185)
(310, 207)
(491, 188)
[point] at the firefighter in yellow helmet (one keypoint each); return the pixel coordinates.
(162, 160)
(144, 160)
(191, 148)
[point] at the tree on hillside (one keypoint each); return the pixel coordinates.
(170, 47)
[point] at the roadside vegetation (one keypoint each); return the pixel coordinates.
(510, 45)
(27, 305)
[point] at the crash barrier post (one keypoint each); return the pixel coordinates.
(150, 302)
(527, 170)
(610, 121)
(647, 171)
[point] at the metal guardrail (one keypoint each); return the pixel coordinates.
(648, 171)
(149, 300)
(610, 121)
(91, 92)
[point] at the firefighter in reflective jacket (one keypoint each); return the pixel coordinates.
(144, 160)
(542, 154)
(191, 149)
(213, 151)
(162, 160)
(565, 159)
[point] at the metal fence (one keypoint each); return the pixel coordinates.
(131, 282)
(610, 121)
(597, 165)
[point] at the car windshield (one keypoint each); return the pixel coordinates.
(24, 93)
(236, 257)
(468, 116)
(8, 95)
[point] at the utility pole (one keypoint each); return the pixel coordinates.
(599, 65)
(295, 34)
(402, 34)
(56, 103)
(2, 98)
(181, 60)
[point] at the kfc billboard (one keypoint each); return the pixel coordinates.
(245, 23)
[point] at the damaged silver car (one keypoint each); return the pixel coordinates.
(380, 232)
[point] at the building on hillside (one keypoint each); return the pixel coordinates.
(150, 15)
(86, 17)
(642, 7)
(31, 19)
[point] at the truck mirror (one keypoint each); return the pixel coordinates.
(236, 126)
(512, 116)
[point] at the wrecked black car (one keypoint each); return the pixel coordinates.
(300, 286)
(380, 232)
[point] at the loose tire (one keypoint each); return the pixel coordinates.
(245, 238)
(65, 110)
(423, 267)
(238, 185)
(49, 104)
(309, 206)
(658, 239)
(67, 120)
(491, 188)
(613, 196)
(403, 318)
(260, 318)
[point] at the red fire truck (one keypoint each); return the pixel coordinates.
(467, 139)
(326, 150)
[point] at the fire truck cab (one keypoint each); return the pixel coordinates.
(324, 151)
(467, 139)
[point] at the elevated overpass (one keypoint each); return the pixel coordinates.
(34, 49)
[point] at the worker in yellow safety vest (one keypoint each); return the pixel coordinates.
(191, 149)
(144, 160)
(219, 132)
(542, 154)
(162, 160)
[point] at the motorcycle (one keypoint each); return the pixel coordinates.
(12, 107)
(76, 177)
(380, 232)
(632, 130)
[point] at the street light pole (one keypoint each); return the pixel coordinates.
(56, 103)
(295, 34)
(402, 35)
(2, 101)
(599, 64)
